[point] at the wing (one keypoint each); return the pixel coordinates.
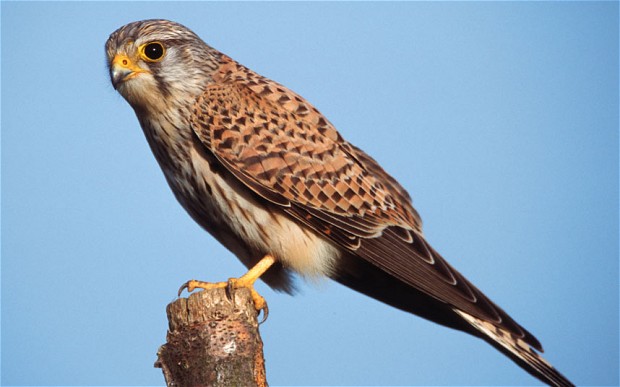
(283, 149)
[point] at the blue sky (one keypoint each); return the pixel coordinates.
(501, 119)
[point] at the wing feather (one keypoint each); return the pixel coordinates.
(284, 150)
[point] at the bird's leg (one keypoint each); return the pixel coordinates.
(245, 281)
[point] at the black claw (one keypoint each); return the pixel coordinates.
(230, 290)
(183, 287)
(265, 313)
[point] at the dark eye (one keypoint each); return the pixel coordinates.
(154, 51)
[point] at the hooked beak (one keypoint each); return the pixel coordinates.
(123, 69)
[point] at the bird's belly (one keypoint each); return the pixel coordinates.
(233, 214)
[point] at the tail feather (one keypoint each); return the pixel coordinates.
(518, 350)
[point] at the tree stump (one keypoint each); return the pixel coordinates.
(213, 340)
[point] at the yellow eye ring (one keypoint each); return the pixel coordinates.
(152, 51)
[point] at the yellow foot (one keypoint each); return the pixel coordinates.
(245, 281)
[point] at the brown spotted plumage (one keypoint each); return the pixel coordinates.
(267, 174)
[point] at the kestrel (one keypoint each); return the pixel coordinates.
(263, 171)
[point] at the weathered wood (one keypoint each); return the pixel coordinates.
(213, 340)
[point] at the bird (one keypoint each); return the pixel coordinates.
(267, 175)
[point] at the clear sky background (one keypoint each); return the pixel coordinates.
(501, 119)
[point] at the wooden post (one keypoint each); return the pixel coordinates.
(213, 340)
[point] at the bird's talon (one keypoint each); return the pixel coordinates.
(229, 286)
(265, 313)
(245, 281)
(183, 287)
(259, 304)
(230, 289)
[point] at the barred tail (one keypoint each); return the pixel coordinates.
(518, 350)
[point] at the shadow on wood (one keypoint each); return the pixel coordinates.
(213, 341)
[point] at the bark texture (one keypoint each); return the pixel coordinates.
(213, 340)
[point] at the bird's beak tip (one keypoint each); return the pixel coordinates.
(118, 75)
(122, 69)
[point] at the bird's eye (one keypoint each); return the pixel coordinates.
(153, 52)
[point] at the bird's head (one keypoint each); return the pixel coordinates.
(155, 62)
